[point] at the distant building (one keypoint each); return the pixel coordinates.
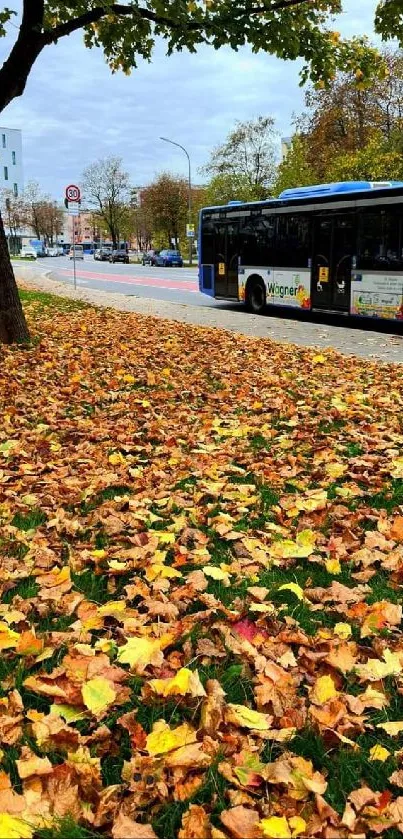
(11, 170)
(286, 143)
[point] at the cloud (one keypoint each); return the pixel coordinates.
(75, 111)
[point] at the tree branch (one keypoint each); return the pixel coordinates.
(121, 10)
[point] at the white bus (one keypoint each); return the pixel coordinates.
(330, 248)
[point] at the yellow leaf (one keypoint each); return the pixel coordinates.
(247, 717)
(185, 681)
(115, 458)
(323, 690)
(163, 739)
(12, 827)
(375, 670)
(68, 713)
(116, 565)
(130, 380)
(318, 359)
(297, 825)
(339, 404)
(378, 752)
(335, 470)
(343, 630)
(165, 537)
(275, 827)
(8, 638)
(295, 588)
(160, 570)
(216, 574)
(112, 607)
(391, 728)
(140, 652)
(98, 694)
(333, 566)
(397, 467)
(99, 554)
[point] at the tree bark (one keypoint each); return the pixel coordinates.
(13, 326)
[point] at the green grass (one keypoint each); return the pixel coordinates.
(43, 299)
(388, 498)
(29, 521)
(67, 828)
(344, 768)
(93, 586)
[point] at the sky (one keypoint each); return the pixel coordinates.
(74, 111)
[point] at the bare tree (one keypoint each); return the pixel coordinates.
(12, 209)
(106, 189)
(250, 151)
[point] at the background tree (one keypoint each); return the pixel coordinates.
(228, 186)
(51, 220)
(165, 202)
(33, 200)
(249, 152)
(288, 28)
(41, 214)
(106, 188)
(351, 131)
(295, 169)
(13, 211)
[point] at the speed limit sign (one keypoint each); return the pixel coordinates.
(73, 193)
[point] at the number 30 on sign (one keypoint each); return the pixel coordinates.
(73, 193)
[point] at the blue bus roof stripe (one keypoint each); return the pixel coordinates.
(341, 187)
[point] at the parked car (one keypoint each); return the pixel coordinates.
(60, 250)
(28, 252)
(169, 259)
(149, 257)
(103, 254)
(52, 252)
(79, 252)
(119, 255)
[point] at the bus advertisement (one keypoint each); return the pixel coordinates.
(334, 248)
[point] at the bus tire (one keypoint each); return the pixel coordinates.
(255, 298)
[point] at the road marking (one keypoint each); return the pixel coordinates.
(155, 282)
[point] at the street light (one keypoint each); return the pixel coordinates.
(165, 139)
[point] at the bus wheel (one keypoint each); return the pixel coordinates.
(255, 299)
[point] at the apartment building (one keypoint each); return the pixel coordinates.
(11, 170)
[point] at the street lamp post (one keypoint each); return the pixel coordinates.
(165, 139)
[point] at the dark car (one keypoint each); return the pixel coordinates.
(149, 257)
(103, 254)
(119, 255)
(169, 259)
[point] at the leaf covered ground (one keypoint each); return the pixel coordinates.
(201, 547)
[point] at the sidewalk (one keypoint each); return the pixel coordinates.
(365, 344)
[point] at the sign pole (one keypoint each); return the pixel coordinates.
(73, 194)
(74, 254)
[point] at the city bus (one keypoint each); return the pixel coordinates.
(334, 248)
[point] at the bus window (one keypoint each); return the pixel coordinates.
(293, 242)
(256, 237)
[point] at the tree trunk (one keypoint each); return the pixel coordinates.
(13, 327)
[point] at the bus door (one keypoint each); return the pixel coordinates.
(226, 258)
(334, 247)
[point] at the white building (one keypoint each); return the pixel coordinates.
(11, 171)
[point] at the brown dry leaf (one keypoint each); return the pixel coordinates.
(195, 824)
(241, 822)
(125, 828)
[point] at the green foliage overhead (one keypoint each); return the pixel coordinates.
(290, 29)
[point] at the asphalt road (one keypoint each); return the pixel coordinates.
(177, 285)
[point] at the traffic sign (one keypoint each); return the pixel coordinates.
(190, 231)
(73, 193)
